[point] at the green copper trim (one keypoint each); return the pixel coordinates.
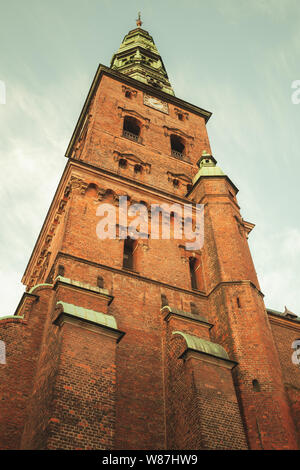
(90, 315)
(202, 345)
(39, 285)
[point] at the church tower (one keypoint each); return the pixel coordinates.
(123, 343)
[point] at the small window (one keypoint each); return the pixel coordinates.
(131, 128)
(50, 276)
(61, 270)
(100, 282)
(238, 302)
(192, 264)
(180, 116)
(122, 163)
(256, 386)
(164, 300)
(138, 168)
(194, 308)
(127, 94)
(129, 246)
(177, 146)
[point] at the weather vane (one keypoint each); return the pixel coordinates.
(139, 21)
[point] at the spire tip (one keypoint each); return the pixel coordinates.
(138, 21)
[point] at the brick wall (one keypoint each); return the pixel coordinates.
(22, 337)
(285, 333)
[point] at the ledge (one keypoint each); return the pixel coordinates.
(210, 358)
(202, 345)
(84, 286)
(45, 285)
(90, 316)
(187, 315)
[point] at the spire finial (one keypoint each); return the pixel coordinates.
(138, 21)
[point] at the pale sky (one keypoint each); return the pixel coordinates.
(235, 58)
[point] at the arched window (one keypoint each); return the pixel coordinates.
(92, 190)
(131, 128)
(177, 146)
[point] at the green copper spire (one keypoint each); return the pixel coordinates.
(139, 58)
(207, 167)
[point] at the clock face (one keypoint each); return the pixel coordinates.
(156, 103)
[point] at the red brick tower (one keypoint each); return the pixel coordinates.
(144, 344)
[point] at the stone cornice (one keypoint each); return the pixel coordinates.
(133, 182)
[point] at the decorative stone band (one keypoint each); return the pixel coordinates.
(88, 319)
(205, 350)
(12, 317)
